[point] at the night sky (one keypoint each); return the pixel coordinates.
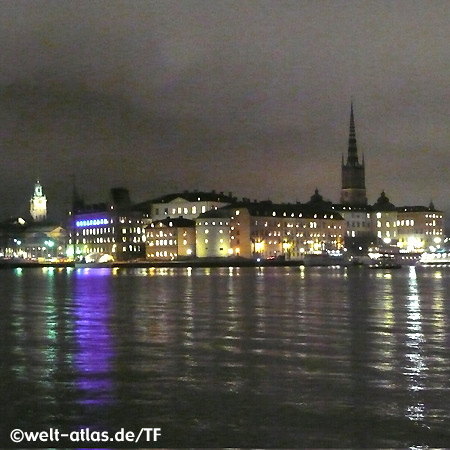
(247, 96)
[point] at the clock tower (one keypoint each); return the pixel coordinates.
(38, 204)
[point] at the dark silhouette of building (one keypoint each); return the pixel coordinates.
(353, 172)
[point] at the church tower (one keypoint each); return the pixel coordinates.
(353, 172)
(38, 204)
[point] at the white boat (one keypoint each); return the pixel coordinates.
(435, 258)
(95, 260)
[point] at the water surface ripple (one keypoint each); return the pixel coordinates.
(230, 357)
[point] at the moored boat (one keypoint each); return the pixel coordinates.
(435, 258)
(385, 262)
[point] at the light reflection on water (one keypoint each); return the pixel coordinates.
(415, 369)
(92, 308)
(285, 357)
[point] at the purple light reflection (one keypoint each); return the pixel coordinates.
(92, 311)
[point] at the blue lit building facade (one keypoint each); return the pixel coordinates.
(114, 229)
(120, 235)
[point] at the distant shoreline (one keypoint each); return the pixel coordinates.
(225, 262)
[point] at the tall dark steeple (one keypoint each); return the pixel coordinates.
(353, 172)
(77, 200)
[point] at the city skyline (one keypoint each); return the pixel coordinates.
(252, 98)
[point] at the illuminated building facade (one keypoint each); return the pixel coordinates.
(170, 239)
(420, 228)
(120, 235)
(293, 231)
(36, 242)
(212, 230)
(267, 230)
(188, 204)
(114, 229)
(384, 221)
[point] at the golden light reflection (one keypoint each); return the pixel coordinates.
(416, 368)
(302, 272)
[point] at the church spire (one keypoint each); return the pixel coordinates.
(352, 158)
(77, 200)
(353, 173)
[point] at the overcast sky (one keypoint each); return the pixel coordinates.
(245, 96)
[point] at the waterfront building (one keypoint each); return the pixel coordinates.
(353, 192)
(115, 229)
(213, 238)
(420, 228)
(384, 222)
(38, 204)
(267, 230)
(294, 230)
(187, 204)
(170, 239)
(32, 241)
(358, 222)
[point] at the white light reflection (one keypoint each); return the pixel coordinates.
(415, 371)
(302, 272)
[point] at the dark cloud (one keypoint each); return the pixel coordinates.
(246, 96)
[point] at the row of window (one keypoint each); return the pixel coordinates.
(131, 248)
(109, 230)
(181, 210)
(213, 223)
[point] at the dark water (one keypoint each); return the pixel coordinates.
(273, 357)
